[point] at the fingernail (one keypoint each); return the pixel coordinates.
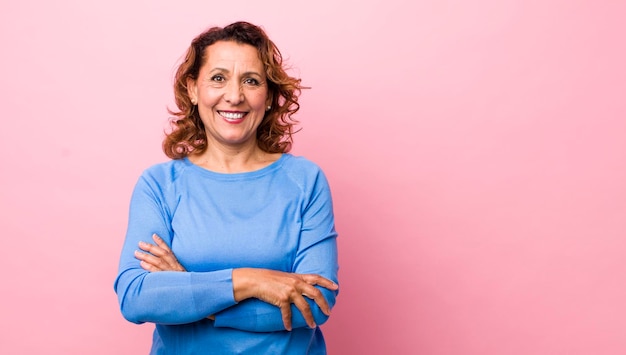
(142, 244)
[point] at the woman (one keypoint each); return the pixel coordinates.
(237, 237)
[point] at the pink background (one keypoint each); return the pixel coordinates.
(476, 151)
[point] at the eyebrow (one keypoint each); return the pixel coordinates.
(228, 71)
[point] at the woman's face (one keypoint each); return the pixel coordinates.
(231, 93)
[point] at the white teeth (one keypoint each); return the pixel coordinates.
(232, 115)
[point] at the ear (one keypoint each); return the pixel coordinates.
(192, 90)
(268, 101)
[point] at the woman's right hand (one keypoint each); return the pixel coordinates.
(282, 289)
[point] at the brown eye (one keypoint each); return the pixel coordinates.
(251, 81)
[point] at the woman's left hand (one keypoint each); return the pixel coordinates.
(157, 257)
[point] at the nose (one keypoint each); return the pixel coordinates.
(233, 93)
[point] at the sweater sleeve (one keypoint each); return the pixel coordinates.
(316, 254)
(163, 297)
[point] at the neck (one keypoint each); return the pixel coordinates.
(232, 159)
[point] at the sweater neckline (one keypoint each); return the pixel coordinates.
(237, 176)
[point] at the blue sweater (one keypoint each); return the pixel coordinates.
(279, 217)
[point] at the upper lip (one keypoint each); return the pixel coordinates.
(231, 111)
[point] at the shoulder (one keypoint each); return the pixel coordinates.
(303, 171)
(165, 173)
(301, 164)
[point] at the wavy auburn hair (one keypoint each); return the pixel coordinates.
(274, 134)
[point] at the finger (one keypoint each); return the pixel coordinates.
(313, 279)
(285, 311)
(163, 259)
(151, 262)
(305, 309)
(148, 258)
(161, 243)
(317, 296)
(163, 251)
(152, 249)
(148, 267)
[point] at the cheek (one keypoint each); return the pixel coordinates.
(258, 100)
(209, 97)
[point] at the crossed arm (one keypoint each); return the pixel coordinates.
(281, 289)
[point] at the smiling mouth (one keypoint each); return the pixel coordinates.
(232, 116)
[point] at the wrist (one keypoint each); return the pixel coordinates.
(243, 283)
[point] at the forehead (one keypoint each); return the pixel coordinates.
(226, 54)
